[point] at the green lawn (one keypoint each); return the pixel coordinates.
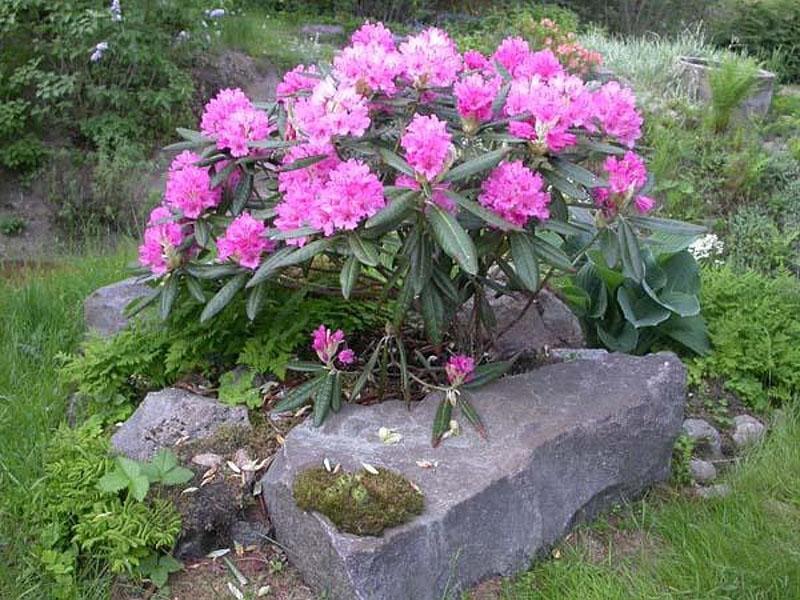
(739, 547)
(40, 316)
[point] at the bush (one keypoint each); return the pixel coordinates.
(753, 325)
(768, 29)
(82, 526)
(637, 17)
(457, 177)
(755, 241)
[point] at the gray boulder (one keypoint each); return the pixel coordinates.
(702, 470)
(173, 415)
(565, 441)
(322, 31)
(747, 430)
(104, 309)
(547, 323)
(706, 438)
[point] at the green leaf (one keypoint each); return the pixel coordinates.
(421, 259)
(202, 232)
(349, 276)
(404, 299)
(590, 281)
(336, 393)
(602, 147)
(305, 366)
(289, 256)
(364, 251)
(471, 414)
(476, 165)
(640, 310)
(195, 289)
(363, 377)
(481, 212)
(576, 173)
(395, 161)
(255, 300)
(113, 481)
(441, 422)
(689, 331)
(668, 226)
(293, 234)
(395, 211)
(632, 263)
(566, 187)
(221, 176)
(212, 271)
(269, 266)
(241, 195)
(302, 163)
(526, 265)
(622, 339)
(487, 373)
(552, 255)
(683, 274)
(453, 239)
(223, 297)
(164, 468)
(177, 476)
(609, 246)
(127, 474)
(299, 395)
(192, 135)
(168, 295)
(322, 400)
(432, 310)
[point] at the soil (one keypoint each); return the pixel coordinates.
(41, 238)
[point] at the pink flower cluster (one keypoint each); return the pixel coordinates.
(459, 369)
(232, 120)
(371, 63)
(614, 109)
(428, 146)
(331, 110)
(244, 242)
(299, 79)
(626, 177)
(188, 189)
(438, 189)
(570, 53)
(430, 59)
(327, 346)
(474, 97)
(515, 193)
(159, 251)
(329, 195)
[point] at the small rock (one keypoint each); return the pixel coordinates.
(566, 354)
(166, 417)
(748, 430)
(249, 533)
(719, 490)
(209, 460)
(104, 309)
(702, 470)
(323, 31)
(705, 437)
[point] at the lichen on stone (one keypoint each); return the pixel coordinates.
(361, 503)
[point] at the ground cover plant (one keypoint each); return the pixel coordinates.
(415, 171)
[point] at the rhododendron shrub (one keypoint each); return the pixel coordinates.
(413, 172)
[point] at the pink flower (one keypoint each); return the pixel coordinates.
(474, 97)
(351, 194)
(512, 54)
(297, 80)
(326, 344)
(427, 145)
(515, 193)
(374, 33)
(369, 67)
(459, 369)
(614, 108)
(475, 61)
(244, 242)
(626, 176)
(438, 195)
(331, 111)
(347, 356)
(159, 250)
(543, 63)
(430, 59)
(240, 128)
(188, 187)
(220, 107)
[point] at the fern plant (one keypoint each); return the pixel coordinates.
(731, 83)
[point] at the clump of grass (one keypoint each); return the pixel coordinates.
(730, 85)
(362, 503)
(11, 225)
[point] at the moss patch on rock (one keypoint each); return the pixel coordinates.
(360, 503)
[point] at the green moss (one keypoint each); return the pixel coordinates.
(359, 503)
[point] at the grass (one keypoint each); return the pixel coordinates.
(275, 36)
(40, 316)
(742, 546)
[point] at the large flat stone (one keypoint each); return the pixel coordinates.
(104, 309)
(171, 415)
(565, 441)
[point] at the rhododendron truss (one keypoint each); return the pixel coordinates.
(411, 173)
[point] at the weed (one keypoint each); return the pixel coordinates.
(12, 225)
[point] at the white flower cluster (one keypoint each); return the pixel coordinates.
(707, 247)
(98, 51)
